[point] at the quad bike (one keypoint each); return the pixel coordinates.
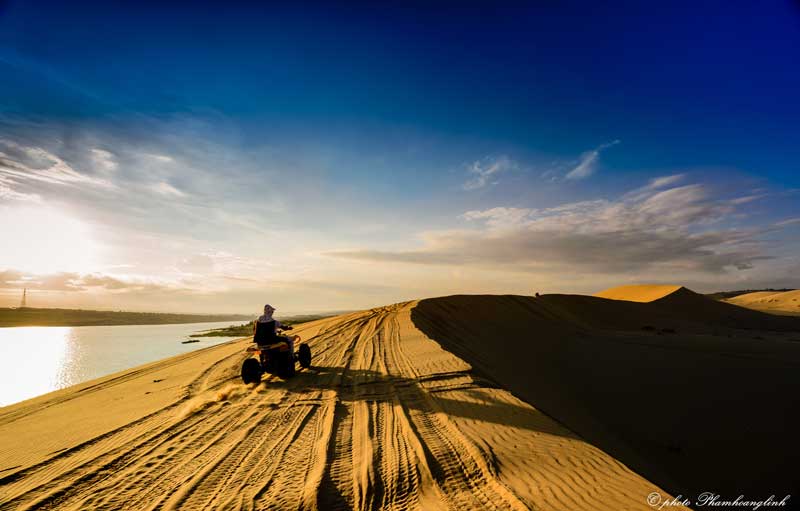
(274, 357)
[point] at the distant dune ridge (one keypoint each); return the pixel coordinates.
(785, 302)
(461, 402)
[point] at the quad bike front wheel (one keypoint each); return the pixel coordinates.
(304, 356)
(251, 371)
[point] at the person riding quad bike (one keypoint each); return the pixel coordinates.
(275, 352)
(263, 331)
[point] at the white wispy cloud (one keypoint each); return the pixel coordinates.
(788, 222)
(166, 189)
(500, 216)
(484, 172)
(8, 192)
(748, 198)
(21, 164)
(163, 158)
(664, 181)
(104, 160)
(588, 162)
(653, 185)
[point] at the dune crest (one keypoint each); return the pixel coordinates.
(638, 292)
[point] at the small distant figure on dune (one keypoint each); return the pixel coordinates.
(537, 294)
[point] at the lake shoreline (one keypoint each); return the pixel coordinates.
(25, 317)
(64, 356)
(246, 329)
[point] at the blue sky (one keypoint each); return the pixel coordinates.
(329, 157)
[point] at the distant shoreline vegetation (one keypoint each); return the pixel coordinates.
(246, 329)
(28, 316)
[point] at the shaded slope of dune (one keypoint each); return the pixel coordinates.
(682, 311)
(684, 304)
(386, 419)
(700, 309)
(708, 408)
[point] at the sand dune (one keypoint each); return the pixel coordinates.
(387, 419)
(785, 302)
(420, 406)
(638, 292)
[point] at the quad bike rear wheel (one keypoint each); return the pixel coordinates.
(304, 356)
(251, 371)
(285, 365)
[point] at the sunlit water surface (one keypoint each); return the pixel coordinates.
(37, 360)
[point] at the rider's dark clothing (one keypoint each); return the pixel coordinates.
(266, 332)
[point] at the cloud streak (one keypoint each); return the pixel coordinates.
(484, 172)
(104, 160)
(655, 228)
(588, 162)
(75, 282)
(166, 189)
(21, 164)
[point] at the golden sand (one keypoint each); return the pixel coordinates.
(785, 302)
(638, 292)
(389, 419)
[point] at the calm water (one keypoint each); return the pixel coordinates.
(37, 360)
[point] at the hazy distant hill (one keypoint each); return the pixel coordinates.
(77, 317)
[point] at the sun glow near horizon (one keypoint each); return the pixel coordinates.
(46, 240)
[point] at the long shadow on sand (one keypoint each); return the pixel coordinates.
(431, 394)
(428, 394)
